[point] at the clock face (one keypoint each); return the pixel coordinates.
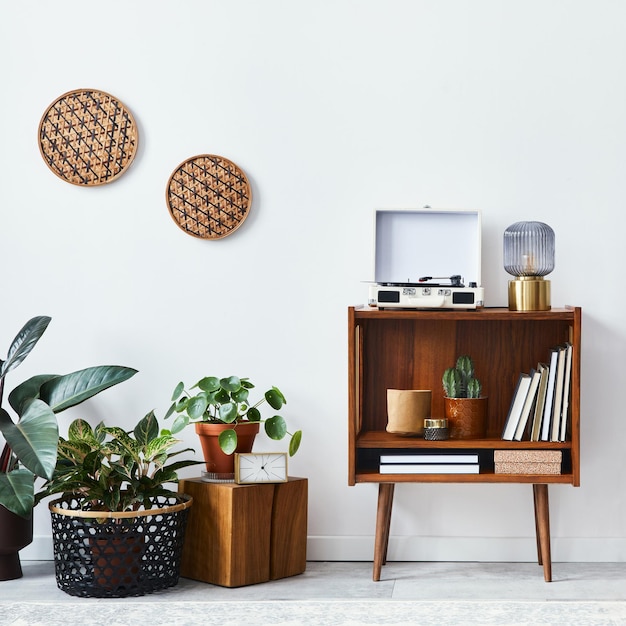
(263, 467)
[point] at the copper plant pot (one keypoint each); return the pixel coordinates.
(467, 417)
(15, 533)
(217, 462)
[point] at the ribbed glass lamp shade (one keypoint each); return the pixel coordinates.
(529, 249)
(529, 256)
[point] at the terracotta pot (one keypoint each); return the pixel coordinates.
(15, 533)
(467, 417)
(217, 462)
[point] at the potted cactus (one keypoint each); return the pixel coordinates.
(465, 406)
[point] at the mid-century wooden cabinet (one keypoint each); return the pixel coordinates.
(408, 349)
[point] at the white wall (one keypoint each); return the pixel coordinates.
(332, 108)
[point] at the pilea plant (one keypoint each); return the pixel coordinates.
(226, 401)
(460, 381)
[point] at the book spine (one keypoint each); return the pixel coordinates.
(430, 468)
(401, 459)
(547, 410)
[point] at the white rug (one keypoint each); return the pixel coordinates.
(142, 612)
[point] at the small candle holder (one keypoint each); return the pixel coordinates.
(436, 429)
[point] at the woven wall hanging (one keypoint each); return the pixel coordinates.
(88, 137)
(208, 196)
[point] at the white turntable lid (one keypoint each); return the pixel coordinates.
(413, 243)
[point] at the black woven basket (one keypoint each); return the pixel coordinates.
(116, 555)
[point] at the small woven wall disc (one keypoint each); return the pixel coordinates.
(88, 137)
(208, 196)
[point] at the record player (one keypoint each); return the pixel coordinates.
(409, 243)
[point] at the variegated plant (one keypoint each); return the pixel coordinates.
(109, 469)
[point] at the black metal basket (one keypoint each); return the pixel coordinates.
(115, 555)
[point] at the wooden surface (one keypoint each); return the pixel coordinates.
(542, 526)
(411, 350)
(406, 349)
(245, 534)
(288, 529)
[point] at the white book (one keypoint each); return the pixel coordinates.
(535, 431)
(430, 468)
(517, 403)
(529, 404)
(567, 381)
(401, 459)
(555, 428)
(547, 409)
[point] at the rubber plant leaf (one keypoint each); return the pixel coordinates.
(65, 391)
(28, 389)
(24, 342)
(17, 491)
(34, 437)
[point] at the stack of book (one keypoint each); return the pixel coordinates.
(429, 463)
(540, 406)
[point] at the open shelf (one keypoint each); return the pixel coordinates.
(407, 349)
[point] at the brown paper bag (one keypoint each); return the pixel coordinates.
(406, 410)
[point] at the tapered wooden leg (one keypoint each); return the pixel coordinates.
(539, 556)
(542, 522)
(383, 522)
(388, 524)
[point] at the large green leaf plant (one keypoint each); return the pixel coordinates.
(31, 438)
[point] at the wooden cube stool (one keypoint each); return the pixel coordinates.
(244, 534)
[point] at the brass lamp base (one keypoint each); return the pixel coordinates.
(529, 293)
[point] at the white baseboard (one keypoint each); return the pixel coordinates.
(39, 550)
(487, 549)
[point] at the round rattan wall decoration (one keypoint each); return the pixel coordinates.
(88, 137)
(208, 196)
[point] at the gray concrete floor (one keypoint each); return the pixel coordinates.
(353, 581)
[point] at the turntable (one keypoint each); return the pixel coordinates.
(408, 241)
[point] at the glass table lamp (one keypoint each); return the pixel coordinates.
(529, 256)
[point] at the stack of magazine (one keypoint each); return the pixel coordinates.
(429, 463)
(540, 406)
